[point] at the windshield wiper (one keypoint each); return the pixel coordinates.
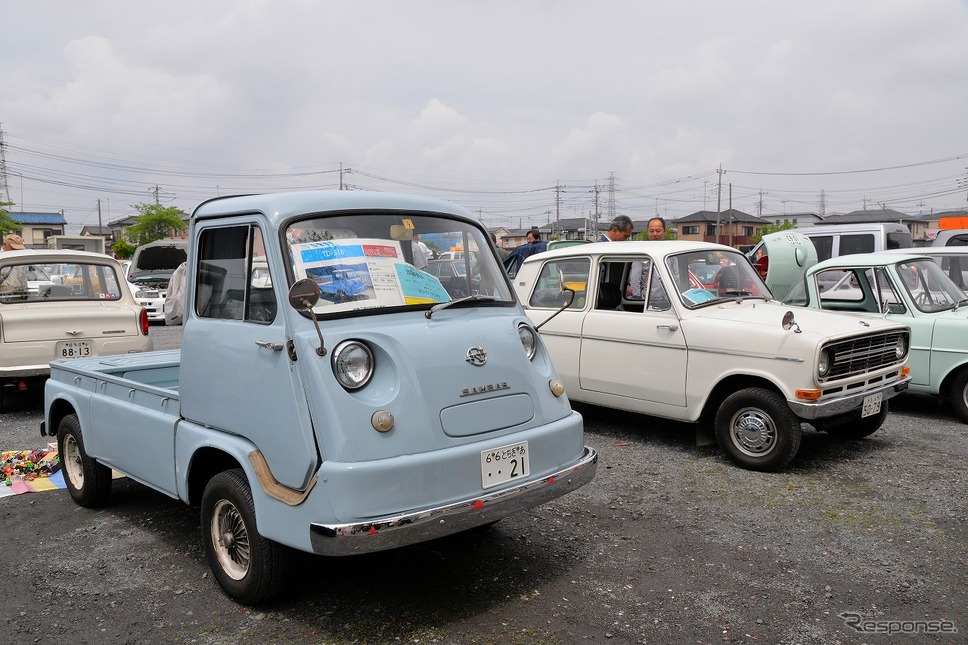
(430, 312)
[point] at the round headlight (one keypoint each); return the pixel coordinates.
(900, 349)
(352, 364)
(528, 341)
(823, 366)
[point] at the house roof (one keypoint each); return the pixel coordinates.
(867, 217)
(724, 217)
(96, 230)
(37, 218)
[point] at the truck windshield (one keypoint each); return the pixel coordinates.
(380, 260)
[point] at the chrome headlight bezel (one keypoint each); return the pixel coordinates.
(900, 349)
(529, 340)
(353, 364)
(823, 363)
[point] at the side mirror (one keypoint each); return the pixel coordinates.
(303, 296)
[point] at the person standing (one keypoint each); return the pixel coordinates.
(618, 231)
(638, 279)
(533, 245)
(421, 253)
(13, 279)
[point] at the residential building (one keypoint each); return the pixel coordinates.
(35, 228)
(735, 228)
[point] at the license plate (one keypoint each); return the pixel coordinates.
(73, 349)
(872, 405)
(501, 465)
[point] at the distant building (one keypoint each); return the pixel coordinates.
(35, 228)
(799, 220)
(736, 228)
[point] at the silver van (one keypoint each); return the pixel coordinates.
(834, 240)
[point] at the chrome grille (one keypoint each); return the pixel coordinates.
(864, 354)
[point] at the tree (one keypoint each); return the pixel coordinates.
(123, 250)
(7, 223)
(154, 223)
(772, 228)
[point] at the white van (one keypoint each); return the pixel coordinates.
(834, 240)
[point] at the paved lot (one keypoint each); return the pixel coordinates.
(670, 543)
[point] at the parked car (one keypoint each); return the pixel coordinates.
(907, 288)
(834, 240)
(94, 314)
(792, 251)
(148, 297)
(453, 277)
(733, 360)
(951, 237)
(151, 267)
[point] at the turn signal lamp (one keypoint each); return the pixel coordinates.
(808, 395)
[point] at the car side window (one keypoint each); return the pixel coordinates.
(571, 273)
(860, 243)
(233, 276)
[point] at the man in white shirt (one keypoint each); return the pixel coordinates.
(13, 279)
(421, 252)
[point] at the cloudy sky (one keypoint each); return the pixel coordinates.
(519, 110)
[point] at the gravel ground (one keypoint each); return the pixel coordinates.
(670, 543)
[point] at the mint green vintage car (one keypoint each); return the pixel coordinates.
(908, 288)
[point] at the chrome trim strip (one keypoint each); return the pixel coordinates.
(727, 352)
(409, 528)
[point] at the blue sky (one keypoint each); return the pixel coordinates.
(827, 104)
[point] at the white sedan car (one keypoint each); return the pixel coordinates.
(92, 313)
(629, 325)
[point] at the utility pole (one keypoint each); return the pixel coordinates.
(730, 213)
(558, 191)
(598, 213)
(341, 171)
(156, 191)
(99, 216)
(719, 198)
(4, 185)
(823, 204)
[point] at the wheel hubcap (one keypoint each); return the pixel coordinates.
(753, 432)
(230, 540)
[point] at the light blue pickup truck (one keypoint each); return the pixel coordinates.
(334, 427)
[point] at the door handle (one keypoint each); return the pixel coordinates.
(276, 347)
(669, 327)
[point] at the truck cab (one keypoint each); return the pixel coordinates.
(299, 418)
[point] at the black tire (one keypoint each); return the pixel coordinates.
(853, 426)
(959, 395)
(757, 430)
(250, 568)
(88, 482)
(340, 296)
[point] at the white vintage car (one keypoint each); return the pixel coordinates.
(91, 313)
(689, 331)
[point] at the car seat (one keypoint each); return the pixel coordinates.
(609, 296)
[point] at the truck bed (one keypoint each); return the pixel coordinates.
(156, 372)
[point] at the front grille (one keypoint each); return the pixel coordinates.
(864, 354)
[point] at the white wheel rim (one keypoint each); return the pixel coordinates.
(230, 540)
(71, 459)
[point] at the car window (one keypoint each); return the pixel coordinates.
(571, 273)
(231, 274)
(81, 281)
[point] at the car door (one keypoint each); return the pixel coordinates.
(253, 389)
(637, 350)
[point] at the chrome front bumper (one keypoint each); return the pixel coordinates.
(409, 528)
(849, 403)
